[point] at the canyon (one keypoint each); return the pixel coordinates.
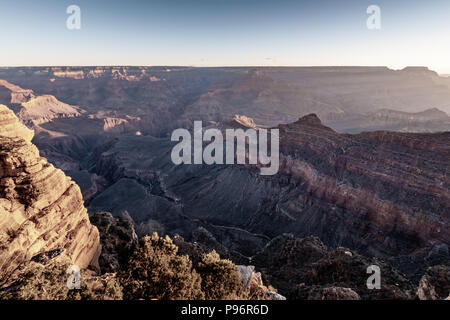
(364, 160)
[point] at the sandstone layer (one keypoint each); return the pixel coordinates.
(10, 126)
(41, 209)
(44, 109)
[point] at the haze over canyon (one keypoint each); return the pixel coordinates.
(363, 168)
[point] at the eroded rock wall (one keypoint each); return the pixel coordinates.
(41, 209)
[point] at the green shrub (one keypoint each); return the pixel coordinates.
(40, 282)
(155, 271)
(48, 281)
(220, 278)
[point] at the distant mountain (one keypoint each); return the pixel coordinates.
(430, 120)
(164, 98)
(433, 114)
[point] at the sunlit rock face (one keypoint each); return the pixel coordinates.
(41, 209)
(11, 127)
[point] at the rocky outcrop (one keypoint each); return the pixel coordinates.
(32, 109)
(307, 269)
(252, 282)
(11, 93)
(435, 284)
(40, 208)
(249, 276)
(391, 187)
(275, 296)
(243, 121)
(10, 126)
(119, 125)
(45, 108)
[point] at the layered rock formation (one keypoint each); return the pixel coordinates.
(398, 116)
(45, 108)
(40, 208)
(11, 93)
(393, 186)
(384, 194)
(34, 110)
(167, 98)
(308, 270)
(430, 120)
(11, 127)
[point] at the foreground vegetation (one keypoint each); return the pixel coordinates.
(154, 270)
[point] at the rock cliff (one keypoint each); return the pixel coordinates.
(10, 126)
(41, 209)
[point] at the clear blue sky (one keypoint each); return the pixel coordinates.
(226, 33)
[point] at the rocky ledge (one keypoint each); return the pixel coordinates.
(41, 209)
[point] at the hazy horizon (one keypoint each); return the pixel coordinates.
(215, 66)
(226, 33)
